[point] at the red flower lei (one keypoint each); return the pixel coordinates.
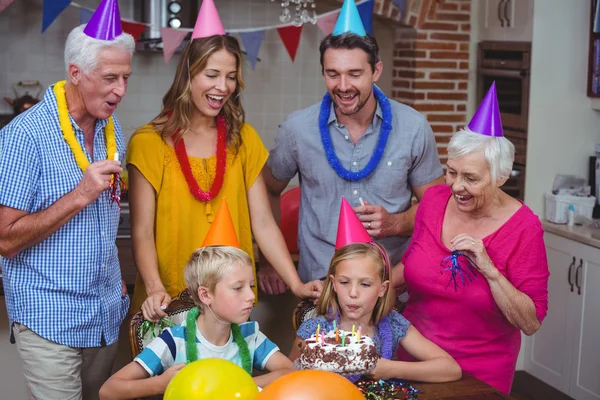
(184, 163)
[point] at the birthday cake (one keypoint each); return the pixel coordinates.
(342, 353)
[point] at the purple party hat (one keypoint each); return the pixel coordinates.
(486, 120)
(105, 24)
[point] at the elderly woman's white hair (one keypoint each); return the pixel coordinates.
(83, 51)
(498, 151)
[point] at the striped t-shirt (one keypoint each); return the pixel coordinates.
(169, 349)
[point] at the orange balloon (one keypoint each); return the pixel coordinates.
(311, 385)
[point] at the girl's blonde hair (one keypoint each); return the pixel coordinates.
(328, 303)
(207, 265)
(178, 104)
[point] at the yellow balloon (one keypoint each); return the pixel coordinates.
(211, 379)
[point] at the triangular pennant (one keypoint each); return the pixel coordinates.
(327, 23)
(365, 10)
(85, 15)
(252, 42)
(171, 38)
(350, 229)
(135, 29)
(4, 4)
(51, 10)
(290, 36)
(222, 230)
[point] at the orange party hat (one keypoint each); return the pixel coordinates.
(222, 231)
(350, 229)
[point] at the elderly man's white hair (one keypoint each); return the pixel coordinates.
(83, 50)
(499, 152)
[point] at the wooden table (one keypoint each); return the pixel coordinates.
(467, 388)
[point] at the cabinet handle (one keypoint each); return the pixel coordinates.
(500, 13)
(506, 13)
(569, 275)
(579, 268)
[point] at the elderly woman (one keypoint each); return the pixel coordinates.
(476, 269)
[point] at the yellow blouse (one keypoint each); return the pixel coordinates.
(181, 221)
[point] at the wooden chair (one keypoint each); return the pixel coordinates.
(176, 311)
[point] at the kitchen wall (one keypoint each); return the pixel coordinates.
(274, 89)
(562, 127)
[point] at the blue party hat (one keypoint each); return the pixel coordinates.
(349, 20)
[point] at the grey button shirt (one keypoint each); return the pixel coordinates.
(410, 159)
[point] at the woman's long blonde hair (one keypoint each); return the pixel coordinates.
(328, 305)
(178, 104)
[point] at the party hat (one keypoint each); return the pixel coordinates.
(222, 231)
(486, 120)
(349, 20)
(105, 24)
(208, 22)
(350, 229)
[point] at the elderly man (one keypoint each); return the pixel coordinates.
(59, 218)
(356, 143)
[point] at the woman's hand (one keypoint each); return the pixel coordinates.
(475, 250)
(154, 305)
(382, 370)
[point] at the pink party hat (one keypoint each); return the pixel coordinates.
(105, 24)
(486, 120)
(350, 229)
(208, 22)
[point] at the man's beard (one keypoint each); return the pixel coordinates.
(356, 109)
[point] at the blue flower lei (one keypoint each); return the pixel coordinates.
(386, 128)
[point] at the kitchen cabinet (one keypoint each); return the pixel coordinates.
(565, 352)
(506, 20)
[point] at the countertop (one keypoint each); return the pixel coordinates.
(578, 233)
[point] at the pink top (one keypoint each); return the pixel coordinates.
(466, 322)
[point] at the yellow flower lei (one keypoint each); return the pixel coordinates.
(69, 133)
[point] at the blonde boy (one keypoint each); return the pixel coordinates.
(220, 279)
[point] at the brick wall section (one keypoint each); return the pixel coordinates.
(431, 61)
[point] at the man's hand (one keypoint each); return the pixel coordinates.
(123, 288)
(96, 179)
(377, 221)
(269, 280)
(154, 305)
(310, 290)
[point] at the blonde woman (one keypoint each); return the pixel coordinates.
(195, 153)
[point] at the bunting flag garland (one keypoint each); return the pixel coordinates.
(52, 9)
(172, 38)
(85, 15)
(135, 29)
(252, 38)
(327, 23)
(252, 42)
(4, 4)
(365, 10)
(290, 36)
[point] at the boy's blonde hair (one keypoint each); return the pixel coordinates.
(328, 302)
(207, 265)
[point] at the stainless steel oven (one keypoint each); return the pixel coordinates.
(507, 64)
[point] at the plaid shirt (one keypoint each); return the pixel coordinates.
(67, 288)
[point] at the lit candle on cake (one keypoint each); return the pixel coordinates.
(343, 339)
(318, 328)
(358, 334)
(352, 329)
